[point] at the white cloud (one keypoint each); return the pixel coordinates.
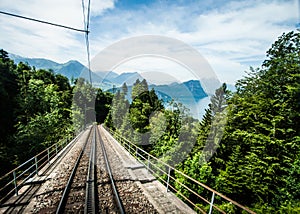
(32, 39)
(232, 35)
(98, 7)
(227, 70)
(65, 12)
(157, 70)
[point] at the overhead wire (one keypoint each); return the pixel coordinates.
(44, 22)
(86, 20)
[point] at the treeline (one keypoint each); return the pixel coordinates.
(257, 162)
(247, 146)
(146, 122)
(39, 108)
(35, 111)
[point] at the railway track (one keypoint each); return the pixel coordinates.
(91, 190)
(84, 176)
(132, 198)
(91, 179)
(109, 199)
(80, 180)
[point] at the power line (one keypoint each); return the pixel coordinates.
(44, 22)
(86, 29)
(86, 20)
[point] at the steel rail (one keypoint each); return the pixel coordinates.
(90, 195)
(115, 191)
(62, 203)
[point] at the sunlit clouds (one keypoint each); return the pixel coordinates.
(231, 35)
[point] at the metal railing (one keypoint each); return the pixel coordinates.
(162, 171)
(12, 181)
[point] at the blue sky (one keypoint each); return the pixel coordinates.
(231, 35)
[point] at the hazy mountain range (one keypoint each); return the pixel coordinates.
(74, 69)
(186, 92)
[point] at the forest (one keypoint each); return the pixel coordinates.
(34, 110)
(247, 145)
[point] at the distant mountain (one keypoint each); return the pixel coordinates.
(110, 75)
(129, 78)
(189, 93)
(186, 92)
(71, 69)
(74, 69)
(113, 79)
(39, 63)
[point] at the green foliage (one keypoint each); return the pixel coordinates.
(8, 91)
(35, 111)
(263, 128)
(157, 126)
(257, 160)
(248, 142)
(132, 120)
(144, 103)
(118, 109)
(83, 105)
(102, 105)
(228, 207)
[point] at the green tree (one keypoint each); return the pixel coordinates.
(41, 115)
(83, 105)
(261, 142)
(144, 103)
(196, 165)
(8, 92)
(102, 105)
(125, 88)
(35, 111)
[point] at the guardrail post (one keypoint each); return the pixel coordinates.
(169, 171)
(211, 203)
(136, 152)
(56, 149)
(129, 148)
(48, 153)
(148, 164)
(36, 165)
(15, 183)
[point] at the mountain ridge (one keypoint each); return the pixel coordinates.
(188, 91)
